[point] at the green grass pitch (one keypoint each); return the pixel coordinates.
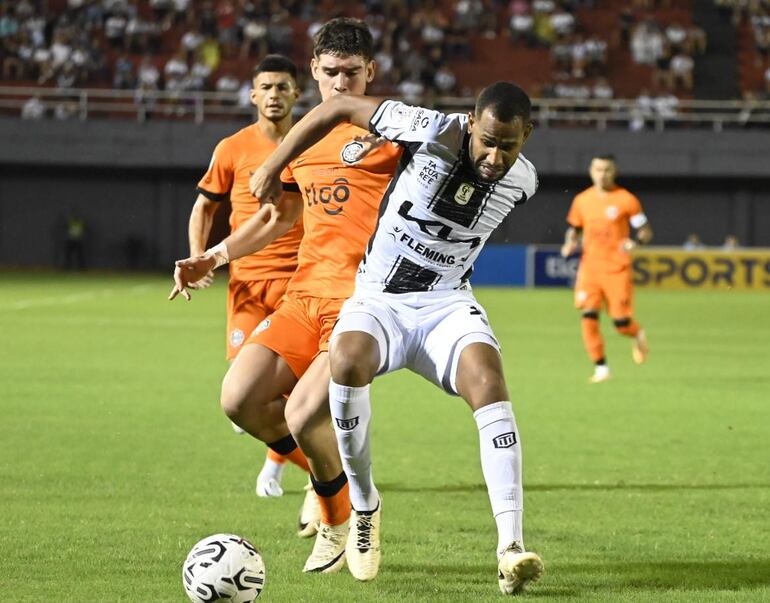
(115, 457)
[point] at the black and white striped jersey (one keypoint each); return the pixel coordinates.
(436, 214)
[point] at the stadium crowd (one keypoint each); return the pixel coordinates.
(194, 45)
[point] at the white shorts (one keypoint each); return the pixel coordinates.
(424, 332)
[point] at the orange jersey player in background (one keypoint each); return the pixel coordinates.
(342, 188)
(603, 217)
(258, 281)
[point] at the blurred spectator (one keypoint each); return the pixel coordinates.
(280, 35)
(199, 77)
(175, 71)
(412, 88)
(114, 29)
(731, 243)
(522, 27)
(66, 109)
(254, 37)
(602, 89)
(123, 73)
(191, 42)
(33, 109)
(227, 83)
(74, 252)
(209, 53)
(676, 36)
(692, 243)
(148, 76)
(445, 81)
(681, 71)
(227, 26)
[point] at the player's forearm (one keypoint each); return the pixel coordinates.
(357, 110)
(258, 231)
(199, 227)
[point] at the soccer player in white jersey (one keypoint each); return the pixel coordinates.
(459, 177)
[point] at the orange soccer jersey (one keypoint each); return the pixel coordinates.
(235, 159)
(342, 198)
(604, 217)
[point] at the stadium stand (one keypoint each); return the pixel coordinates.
(568, 50)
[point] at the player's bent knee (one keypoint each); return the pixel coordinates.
(354, 359)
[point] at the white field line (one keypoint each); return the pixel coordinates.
(73, 298)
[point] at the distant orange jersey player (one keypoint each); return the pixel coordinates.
(341, 203)
(235, 159)
(604, 217)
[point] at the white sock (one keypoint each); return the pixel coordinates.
(501, 465)
(351, 411)
(271, 470)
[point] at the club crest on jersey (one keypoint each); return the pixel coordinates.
(351, 152)
(464, 193)
(236, 338)
(263, 326)
(347, 424)
(505, 440)
(611, 212)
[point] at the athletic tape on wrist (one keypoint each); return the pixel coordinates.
(219, 253)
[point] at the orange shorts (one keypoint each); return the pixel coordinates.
(299, 330)
(615, 289)
(248, 304)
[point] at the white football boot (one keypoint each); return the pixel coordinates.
(601, 374)
(363, 546)
(328, 554)
(517, 568)
(640, 349)
(309, 514)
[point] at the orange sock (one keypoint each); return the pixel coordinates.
(628, 327)
(592, 337)
(298, 458)
(272, 455)
(335, 509)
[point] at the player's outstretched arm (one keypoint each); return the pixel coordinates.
(357, 110)
(267, 224)
(571, 242)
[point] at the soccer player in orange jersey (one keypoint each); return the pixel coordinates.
(341, 193)
(257, 282)
(603, 216)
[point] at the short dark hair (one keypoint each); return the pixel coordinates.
(506, 101)
(344, 37)
(604, 157)
(276, 63)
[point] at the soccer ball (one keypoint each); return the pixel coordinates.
(223, 567)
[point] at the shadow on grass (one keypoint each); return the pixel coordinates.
(673, 575)
(572, 580)
(449, 488)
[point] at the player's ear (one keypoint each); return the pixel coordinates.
(371, 67)
(253, 95)
(314, 68)
(528, 127)
(471, 121)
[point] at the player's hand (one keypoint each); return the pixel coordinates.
(370, 142)
(204, 283)
(628, 245)
(265, 186)
(188, 271)
(568, 249)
